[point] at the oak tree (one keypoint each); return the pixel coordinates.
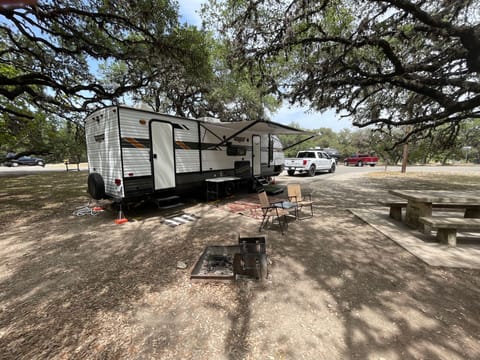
(55, 47)
(383, 63)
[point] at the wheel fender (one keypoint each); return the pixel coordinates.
(96, 186)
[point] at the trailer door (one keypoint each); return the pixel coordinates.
(256, 155)
(163, 160)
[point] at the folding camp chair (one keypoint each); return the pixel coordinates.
(272, 210)
(294, 193)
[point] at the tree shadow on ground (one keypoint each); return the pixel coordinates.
(391, 304)
(338, 288)
(77, 286)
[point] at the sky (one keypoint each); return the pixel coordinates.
(189, 13)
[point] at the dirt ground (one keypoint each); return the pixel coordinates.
(82, 287)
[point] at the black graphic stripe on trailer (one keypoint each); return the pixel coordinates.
(130, 142)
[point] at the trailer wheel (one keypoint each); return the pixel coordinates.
(229, 189)
(96, 186)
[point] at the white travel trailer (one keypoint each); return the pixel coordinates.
(136, 154)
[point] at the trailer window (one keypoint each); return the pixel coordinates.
(236, 150)
(99, 138)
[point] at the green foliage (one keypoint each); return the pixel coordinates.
(387, 64)
(345, 141)
(70, 143)
(54, 48)
(53, 139)
(438, 146)
(204, 85)
(397, 65)
(435, 147)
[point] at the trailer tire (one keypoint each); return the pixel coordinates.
(96, 186)
(229, 189)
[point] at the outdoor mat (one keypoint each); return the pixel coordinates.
(242, 207)
(246, 205)
(179, 219)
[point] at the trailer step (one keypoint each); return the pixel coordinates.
(260, 180)
(168, 202)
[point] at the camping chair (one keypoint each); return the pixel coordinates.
(272, 210)
(294, 193)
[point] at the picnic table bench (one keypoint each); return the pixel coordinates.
(397, 206)
(447, 227)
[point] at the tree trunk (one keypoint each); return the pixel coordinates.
(405, 158)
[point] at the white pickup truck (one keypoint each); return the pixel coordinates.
(310, 161)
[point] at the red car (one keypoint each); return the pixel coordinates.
(360, 160)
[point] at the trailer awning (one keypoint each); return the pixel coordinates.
(255, 127)
(258, 127)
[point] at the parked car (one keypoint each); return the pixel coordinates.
(360, 160)
(25, 160)
(333, 153)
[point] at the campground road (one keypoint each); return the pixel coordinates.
(29, 170)
(342, 172)
(351, 172)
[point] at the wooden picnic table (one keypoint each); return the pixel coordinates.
(420, 204)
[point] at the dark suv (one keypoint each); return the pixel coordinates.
(25, 160)
(333, 153)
